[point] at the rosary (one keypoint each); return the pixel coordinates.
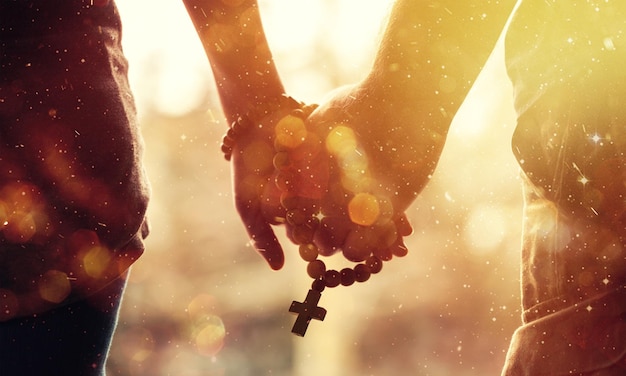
(352, 216)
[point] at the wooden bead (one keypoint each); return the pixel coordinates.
(362, 273)
(348, 276)
(360, 242)
(228, 141)
(375, 264)
(313, 222)
(284, 181)
(318, 285)
(241, 125)
(296, 217)
(281, 160)
(356, 254)
(308, 252)
(228, 151)
(332, 278)
(302, 234)
(316, 269)
(288, 200)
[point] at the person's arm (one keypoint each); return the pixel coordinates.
(432, 51)
(428, 59)
(248, 86)
(235, 43)
(430, 56)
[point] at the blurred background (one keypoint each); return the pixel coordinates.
(202, 302)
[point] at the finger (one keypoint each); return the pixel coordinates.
(399, 249)
(261, 233)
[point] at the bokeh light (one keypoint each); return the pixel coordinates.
(364, 209)
(54, 286)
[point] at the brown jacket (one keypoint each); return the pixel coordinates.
(73, 194)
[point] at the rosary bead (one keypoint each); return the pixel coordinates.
(308, 252)
(231, 133)
(363, 238)
(288, 201)
(283, 181)
(296, 217)
(281, 160)
(332, 278)
(228, 151)
(356, 254)
(303, 234)
(318, 285)
(362, 273)
(239, 127)
(313, 221)
(374, 263)
(316, 269)
(228, 141)
(348, 276)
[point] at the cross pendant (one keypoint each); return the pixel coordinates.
(307, 311)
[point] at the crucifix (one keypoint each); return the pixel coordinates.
(307, 311)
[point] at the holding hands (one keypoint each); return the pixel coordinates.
(339, 177)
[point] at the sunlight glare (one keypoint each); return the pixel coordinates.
(168, 68)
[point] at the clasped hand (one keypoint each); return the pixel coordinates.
(340, 178)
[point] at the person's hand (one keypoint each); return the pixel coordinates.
(259, 172)
(252, 171)
(380, 157)
(341, 182)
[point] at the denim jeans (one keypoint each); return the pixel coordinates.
(70, 340)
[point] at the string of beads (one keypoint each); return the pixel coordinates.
(303, 215)
(246, 122)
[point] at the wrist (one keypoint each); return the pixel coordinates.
(255, 115)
